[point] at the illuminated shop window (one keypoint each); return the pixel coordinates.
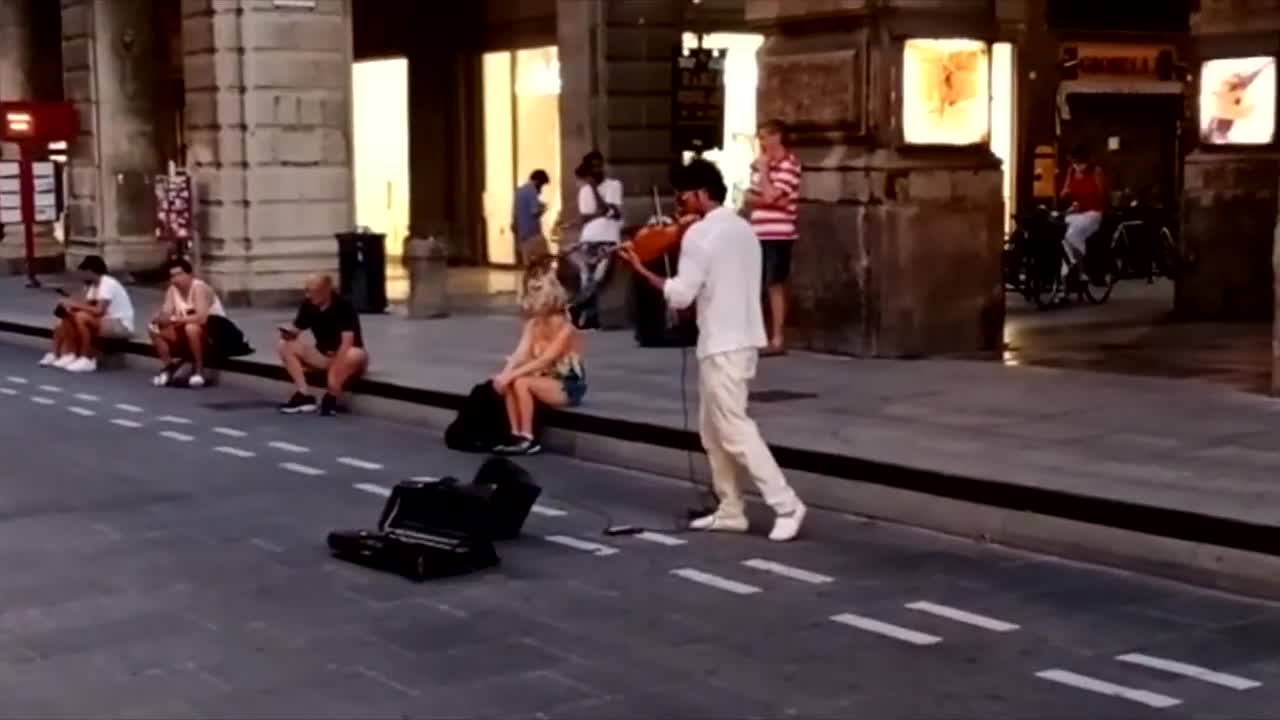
(1238, 101)
(946, 92)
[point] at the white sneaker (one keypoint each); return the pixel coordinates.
(787, 526)
(63, 362)
(162, 379)
(48, 359)
(83, 365)
(720, 522)
(195, 381)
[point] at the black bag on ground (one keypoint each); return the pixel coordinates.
(427, 530)
(481, 424)
(226, 339)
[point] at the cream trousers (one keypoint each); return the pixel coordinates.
(731, 438)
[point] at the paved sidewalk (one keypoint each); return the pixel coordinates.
(1174, 444)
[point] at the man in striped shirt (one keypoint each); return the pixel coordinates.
(772, 200)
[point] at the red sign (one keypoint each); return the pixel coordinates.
(40, 122)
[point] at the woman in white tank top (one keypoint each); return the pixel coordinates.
(180, 329)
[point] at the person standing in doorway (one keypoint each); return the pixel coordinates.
(526, 218)
(600, 207)
(720, 272)
(772, 202)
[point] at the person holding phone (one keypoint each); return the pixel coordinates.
(106, 311)
(338, 350)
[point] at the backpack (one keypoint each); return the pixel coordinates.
(481, 424)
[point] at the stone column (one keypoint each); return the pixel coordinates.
(1230, 200)
(112, 74)
(615, 67)
(18, 69)
(900, 247)
(268, 123)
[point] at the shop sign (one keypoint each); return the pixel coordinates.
(697, 123)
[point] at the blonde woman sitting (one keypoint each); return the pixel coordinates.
(547, 364)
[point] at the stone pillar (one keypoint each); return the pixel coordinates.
(1230, 200)
(900, 247)
(113, 74)
(268, 124)
(615, 67)
(18, 70)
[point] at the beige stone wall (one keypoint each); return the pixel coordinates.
(269, 134)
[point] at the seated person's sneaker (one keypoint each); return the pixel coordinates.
(520, 445)
(48, 359)
(195, 381)
(328, 405)
(720, 522)
(299, 403)
(165, 376)
(65, 361)
(83, 365)
(787, 526)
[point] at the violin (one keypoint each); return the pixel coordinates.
(661, 235)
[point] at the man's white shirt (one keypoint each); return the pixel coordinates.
(720, 270)
(119, 306)
(601, 229)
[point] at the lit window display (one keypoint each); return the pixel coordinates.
(1238, 101)
(741, 78)
(946, 92)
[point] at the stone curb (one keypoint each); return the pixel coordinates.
(1200, 549)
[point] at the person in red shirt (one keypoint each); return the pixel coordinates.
(1084, 188)
(772, 202)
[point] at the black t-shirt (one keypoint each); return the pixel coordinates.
(327, 325)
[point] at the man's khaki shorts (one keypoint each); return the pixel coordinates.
(113, 329)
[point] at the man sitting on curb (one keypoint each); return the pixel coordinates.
(106, 312)
(338, 350)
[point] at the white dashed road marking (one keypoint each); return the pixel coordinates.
(230, 432)
(717, 582)
(87, 397)
(788, 571)
(266, 545)
(906, 635)
(545, 511)
(658, 538)
(572, 542)
(358, 463)
(235, 451)
(173, 420)
(1235, 682)
(1102, 687)
(40, 400)
(962, 616)
(126, 423)
(301, 469)
(128, 408)
(373, 489)
(50, 388)
(288, 447)
(17, 380)
(173, 435)
(82, 412)
(9, 391)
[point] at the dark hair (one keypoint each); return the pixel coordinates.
(584, 168)
(774, 127)
(700, 175)
(540, 177)
(1079, 153)
(180, 264)
(94, 264)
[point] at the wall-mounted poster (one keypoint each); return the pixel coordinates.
(946, 90)
(1238, 101)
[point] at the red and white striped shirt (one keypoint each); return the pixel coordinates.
(777, 220)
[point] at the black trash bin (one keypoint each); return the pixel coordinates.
(652, 323)
(362, 270)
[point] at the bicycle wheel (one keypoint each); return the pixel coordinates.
(1103, 278)
(1167, 258)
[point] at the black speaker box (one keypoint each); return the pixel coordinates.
(509, 492)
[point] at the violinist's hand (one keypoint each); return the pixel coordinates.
(628, 255)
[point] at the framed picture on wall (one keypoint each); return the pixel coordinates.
(1238, 101)
(946, 91)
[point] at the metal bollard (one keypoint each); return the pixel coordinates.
(427, 260)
